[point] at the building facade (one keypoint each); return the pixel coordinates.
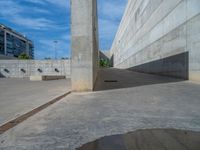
(12, 44)
(160, 37)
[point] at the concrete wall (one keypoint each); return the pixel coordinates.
(27, 68)
(3, 57)
(104, 55)
(161, 37)
(84, 44)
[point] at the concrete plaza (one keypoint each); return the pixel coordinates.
(19, 96)
(159, 37)
(144, 101)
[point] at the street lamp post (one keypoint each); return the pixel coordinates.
(55, 46)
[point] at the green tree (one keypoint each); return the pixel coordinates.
(104, 63)
(23, 56)
(47, 58)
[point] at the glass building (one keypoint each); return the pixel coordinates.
(13, 44)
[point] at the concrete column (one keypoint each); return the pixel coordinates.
(84, 44)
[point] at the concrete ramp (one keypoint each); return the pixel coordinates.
(112, 78)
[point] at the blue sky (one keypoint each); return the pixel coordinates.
(44, 21)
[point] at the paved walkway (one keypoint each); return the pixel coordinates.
(18, 96)
(83, 117)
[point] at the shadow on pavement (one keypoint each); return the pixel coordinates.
(156, 139)
(1, 75)
(112, 78)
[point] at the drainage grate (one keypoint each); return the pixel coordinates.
(110, 81)
(18, 120)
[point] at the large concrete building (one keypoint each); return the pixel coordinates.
(160, 37)
(12, 44)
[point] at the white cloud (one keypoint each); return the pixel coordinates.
(9, 8)
(60, 3)
(62, 47)
(15, 12)
(57, 3)
(112, 9)
(38, 23)
(66, 37)
(110, 14)
(36, 1)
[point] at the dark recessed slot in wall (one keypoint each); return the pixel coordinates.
(110, 81)
(56, 70)
(6, 70)
(23, 70)
(39, 70)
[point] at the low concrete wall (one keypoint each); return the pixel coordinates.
(3, 57)
(161, 37)
(47, 77)
(27, 68)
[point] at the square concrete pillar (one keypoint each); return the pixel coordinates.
(84, 44)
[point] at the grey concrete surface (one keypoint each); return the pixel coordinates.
(113, 78)
(84, 45)
(6, 57)
(153, 139)
(151, 33)
(27, 68)
(83, 117)
(19, 96)
(46, 77)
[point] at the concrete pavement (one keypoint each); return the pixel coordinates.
(83, 117)
(154, 139)
(19, 96)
